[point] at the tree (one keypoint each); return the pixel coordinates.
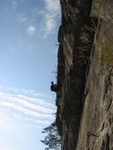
(52, 140)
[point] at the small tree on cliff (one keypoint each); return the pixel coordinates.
(52, 140)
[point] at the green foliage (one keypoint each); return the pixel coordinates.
(106, 50)
(103, 44)
(52, 140)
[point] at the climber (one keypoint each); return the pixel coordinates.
(54, 87)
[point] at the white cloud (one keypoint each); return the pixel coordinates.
(21, 18)
(50, 25)
(49, 15)
(51, 12)
(34, 110)
(25, 111)
(36, 101)
(14, 4)
(25, 106)
(52, 6)
(31, 30)
(36, 11)
(31, 93)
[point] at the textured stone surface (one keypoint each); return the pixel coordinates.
(85, 75)
(97, 117)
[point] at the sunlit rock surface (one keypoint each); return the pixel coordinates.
(85, 75)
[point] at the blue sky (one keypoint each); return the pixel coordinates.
(28, 56)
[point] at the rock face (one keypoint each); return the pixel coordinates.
(85, 75)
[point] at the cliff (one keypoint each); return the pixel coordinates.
(85, 75)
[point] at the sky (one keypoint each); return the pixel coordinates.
(28, 64)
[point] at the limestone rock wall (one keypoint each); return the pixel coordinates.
(85, 75)
(96, 129)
